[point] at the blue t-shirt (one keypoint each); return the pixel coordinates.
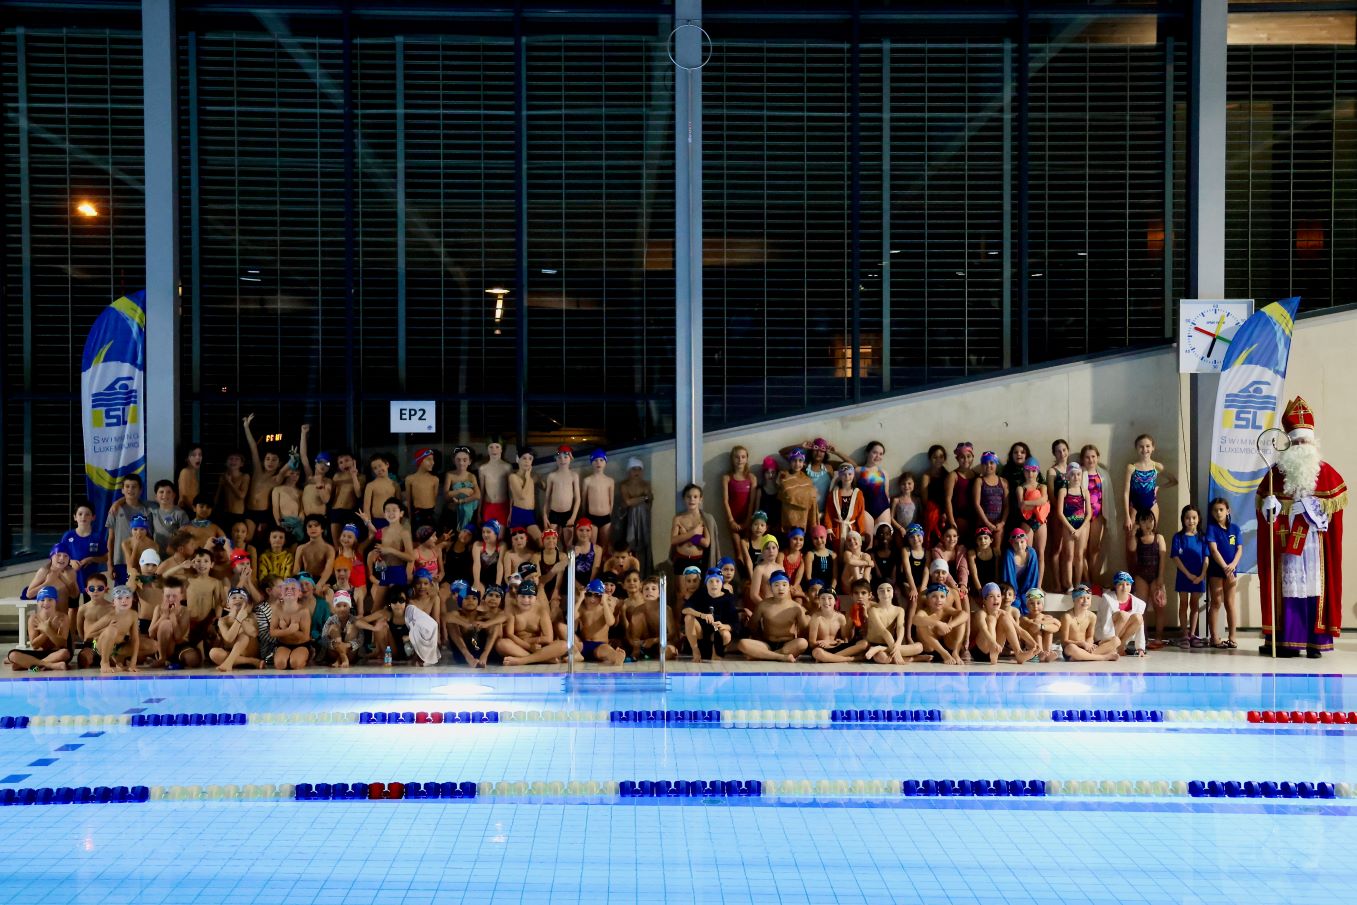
(1226, 540)
(83, 547)
(1191, 551)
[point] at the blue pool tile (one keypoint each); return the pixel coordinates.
(43, 762)
(14, 777)
(73, 746)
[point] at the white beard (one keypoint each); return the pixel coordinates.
(1300, 468)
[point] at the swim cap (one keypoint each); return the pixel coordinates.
(527, 568)
(492, 525)
(343, 562)
(564, 450)
(351, 528)
(237, 592)
(692, 570)
(494, 589)
(963, 446)
(777, 577)
(306, 576)
(989, 457)
(797, 453)
(939, 565)
(759, 516)
(1031, 464)
(819, 531)
(1122, 577)
(1079, 590)
(584, 523)
(845, 468)
(915, 528)
(322, 457)
(990, 588)
(1017, 532)
(463, 449)
(58, 548)
(518, 530)
(936, 588)
(609, 578)
(713, 573)
(47, 592)
(139, 521)
(598, 454)
(121, 590)
(423, 574)
(458, 587)
(595, 587)
(550, 531)
(344, 596)
(243, 556)
(635, 462)
(422, 454)
(149, 558)
(984, 531)
(291, 579)
(795, 532)
(1036, 594)
(724, 561)
(527, 589)
(769, 463)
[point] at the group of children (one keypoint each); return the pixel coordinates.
(289, 566)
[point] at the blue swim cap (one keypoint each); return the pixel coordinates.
(724, 561)
(796, 532)
(990, 588)
(936, 588)
(351, 528)
(47, 592)
(598, 454)
(989, 456)
(424, 574)
(692, 570)
(472, 592)
(915, 528)
(1122, 577)
(1079, 590)
(459, 588)
(492, 525)
(527, 587)
(494, 589)
(58, 548)
(322, 457)
(778, 576)
(595, 587)
(139, 521)
(713, 573)
(1031, 464)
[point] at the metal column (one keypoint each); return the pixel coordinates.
(687, 48)
(160, 99)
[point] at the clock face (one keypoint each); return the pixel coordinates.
(1205, 331)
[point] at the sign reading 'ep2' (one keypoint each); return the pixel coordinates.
(418, 417)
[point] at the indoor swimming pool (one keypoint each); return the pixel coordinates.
(758, 788)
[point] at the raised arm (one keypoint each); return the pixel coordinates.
(250, 442)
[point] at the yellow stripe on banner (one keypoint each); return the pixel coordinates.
(102, 478)
(1227, 481)
(99, 359)
(1281, 316)
(131, 311)
(1239, 359)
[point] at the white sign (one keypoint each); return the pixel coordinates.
(413, 417)
(1205, 328)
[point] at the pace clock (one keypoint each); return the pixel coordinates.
(1205, 329)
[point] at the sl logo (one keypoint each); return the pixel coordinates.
(1250, 408)
(116, 404)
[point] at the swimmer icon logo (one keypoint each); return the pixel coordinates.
(112, 384)
(116, 404)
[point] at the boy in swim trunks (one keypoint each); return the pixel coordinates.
(523, 496)
(494, 478)
(139, 540)
(563, 495)
(780, 620)
(828, 632)
(1077, 629)
(594, 620)
(393, 549)
(90, 614)
(886, 629)
(598, 490)
(381, 488)
(117, 642)
(994, 630)
(643, 623)
(206, 595)
(232, 489)
(421, 490)
(346, 490)
(316, 556)
(264, 477)
(529, 636)
(169, 629)
(49, 633)
(941, 631)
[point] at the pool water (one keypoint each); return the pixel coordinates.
(818, 848)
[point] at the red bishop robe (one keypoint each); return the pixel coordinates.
(1332, 495)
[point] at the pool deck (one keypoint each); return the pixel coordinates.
(1341, 661)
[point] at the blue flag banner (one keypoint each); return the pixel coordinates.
(112, 400)
(1250, 397)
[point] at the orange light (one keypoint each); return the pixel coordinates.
(87, 209)
(1154, 237)
(1309, 238)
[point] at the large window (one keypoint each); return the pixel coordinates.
(74, 240)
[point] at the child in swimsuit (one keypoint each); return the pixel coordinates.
(874, 483)
(1190, 555)
(1145, 550)
(738, 486)
(1144, 477)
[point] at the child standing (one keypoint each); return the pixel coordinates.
(319, 488)
(347, 490)
(421, 490)
(394, 550)
(933, 487)
(563, 495)
(633, 519)
(1034, 507)
(906, 507)
(1071, 511)
(737, 489)
(1223, 540)
(462, 493)
(232, 488)
(597, 489)
(381, 488)
(688, 540)
(119, 524)
(263, 479)
(1145, 550)
(1190, 556)
(523, 496)
(989, 494)
(1144, 477)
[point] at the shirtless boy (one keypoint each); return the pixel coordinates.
(459, 619)
(137, 544)
(421, 490)
(941, 631)
(263, 479)
(316, 556)
(528, 633)
(563, 495)
(169, 629)
(1076, 631)
(346, 492)
(285, 501)
(494, 480)
(1041, 627)
(206, 595)
(232, 489)
(621, 560)
(291, 628)
(201, 525)
(90, 614)
(643, 622)
(598, 489)
(886, 629)
(239, 634)
(318, 489)
(994, 630)
(394, 549)
(828, 632)
(116, 638)
(381, 488)
(779, 620)
(593, 622)
(523, 496)
(49, 634)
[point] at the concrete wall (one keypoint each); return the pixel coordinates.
(1106, 402)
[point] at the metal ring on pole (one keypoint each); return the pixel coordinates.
(708, 47)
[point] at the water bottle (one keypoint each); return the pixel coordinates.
(386, 657)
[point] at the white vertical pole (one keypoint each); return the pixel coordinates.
(688, 52)
(570, 613)
(664, 621)
(160, 102)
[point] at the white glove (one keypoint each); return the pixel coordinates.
(1272, 507)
